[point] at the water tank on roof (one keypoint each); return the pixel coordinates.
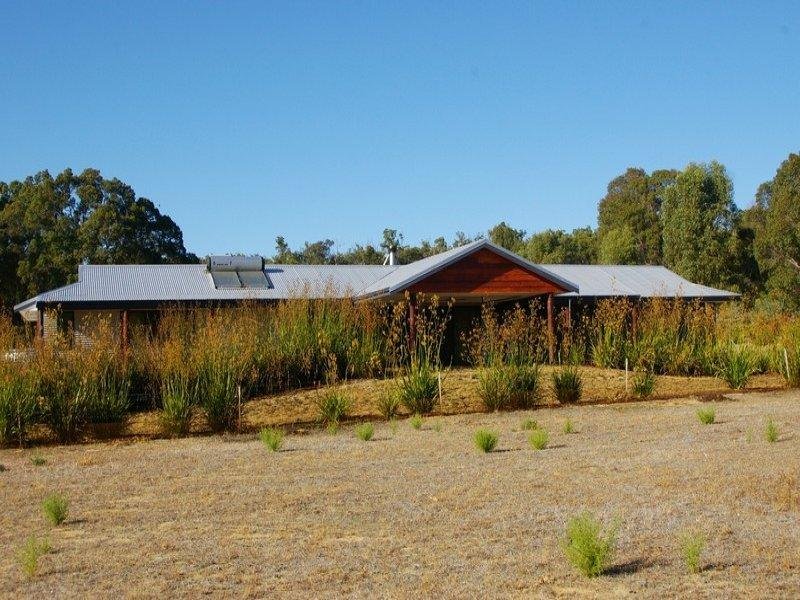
(235, 263)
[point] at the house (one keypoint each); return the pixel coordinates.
(470, 275)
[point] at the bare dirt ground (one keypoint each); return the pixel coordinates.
(421, 513)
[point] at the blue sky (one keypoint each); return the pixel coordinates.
(244, 121)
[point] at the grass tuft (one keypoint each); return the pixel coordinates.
(365, 431)
(644, 384)
(485, 440)
(29, 554)
(771, 431)
(692, 545)
(37, 460)
(538, 439)
(55, 508)
(529, 425)
(567, 385)
(332, 406)
(272, 438)
(568, 427)
(389, 404)
(707, 416)
(586, 547)
(415, 421)
(736, 365)
(418, 388)
(437, 426)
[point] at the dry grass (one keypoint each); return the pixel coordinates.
(417, 513)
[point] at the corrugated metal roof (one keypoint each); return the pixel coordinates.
(176, 283)
(633, 280)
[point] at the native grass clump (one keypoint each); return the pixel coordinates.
(588, 545)
(509, 386)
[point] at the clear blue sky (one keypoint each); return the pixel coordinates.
(244, 121)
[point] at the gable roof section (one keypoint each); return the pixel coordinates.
(406, 276)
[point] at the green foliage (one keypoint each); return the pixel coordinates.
(538, 439)
(568, 427)
(557, 246)
(771, 431)
(29, 554)
(485, 440)
(365, 431)
(418, 388)
(736, 365)
(415, 421)
(567, 385)
(178, 401)
(37, 460)
(699, 219)
(18, 406)
(389, 403)
(629, 227)
(644, 384)
(332, 406)
(692, 545)
(272, 438)
(507, 237)
(777, 245)
(217, 394)
(529, 425)
(55, 508)
(108, 395)
(509, 386)
(587, 547)
(706, 416)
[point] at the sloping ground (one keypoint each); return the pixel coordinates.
(459, 396)
(421, 512)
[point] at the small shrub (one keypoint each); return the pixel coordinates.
(37, 460)
(332, 407)
(644, 384)
(706, 416)
(18, 407)
(771, 431)
(418, 388)
(692, 546)
(736, 366)
(567, 385)
(509, 386)
(178, 398)
(586, 547)
(485, 440)
(538, 439)
(416, 421)
(272, 438)
(365, 431)
(529, 425)
(389, 404)
(30, 553)
(55, 508)
(568, 427)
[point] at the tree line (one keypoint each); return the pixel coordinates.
(684, 219)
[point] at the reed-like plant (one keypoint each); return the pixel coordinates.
(418, 388)
(485, 440)
(735, 365)
(587, 547)
(332, 406)
(567, 385)
(18, 404)
(644, 384)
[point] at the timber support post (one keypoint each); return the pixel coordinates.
(551, 330)
(412, 324)
(123, 334)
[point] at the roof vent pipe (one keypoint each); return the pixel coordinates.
(391, 258)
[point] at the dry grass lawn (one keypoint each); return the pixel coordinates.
(421, 513)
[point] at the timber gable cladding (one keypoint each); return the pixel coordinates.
(485, 272)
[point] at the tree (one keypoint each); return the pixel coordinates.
(507, 237)
(559, 247)
(50, 225)
(776, 220)
(629, 225)
(699, 222)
